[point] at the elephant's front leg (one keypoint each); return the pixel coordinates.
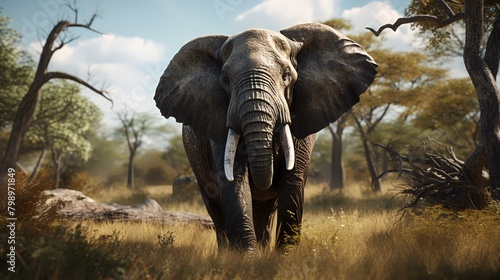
(236, 200)
(291, 194)
(290, 209)
(199, 152)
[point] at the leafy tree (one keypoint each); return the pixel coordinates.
(481, 22)
(16, 69)
(62, 125)
(27, 107)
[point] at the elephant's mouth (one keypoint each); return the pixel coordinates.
(232, 146)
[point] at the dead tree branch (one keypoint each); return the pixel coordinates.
(438, 23)
(63, 75)
(428, 18)
(436, 178)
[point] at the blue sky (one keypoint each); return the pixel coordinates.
(140, 37)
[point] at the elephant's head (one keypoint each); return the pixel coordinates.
(260, 83)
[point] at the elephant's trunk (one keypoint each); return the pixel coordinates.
(259, 144)
(259, 115)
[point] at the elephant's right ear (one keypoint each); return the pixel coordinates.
(189, 89)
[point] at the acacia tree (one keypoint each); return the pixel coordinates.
(457, 123)
(55, 41)
(479, 18)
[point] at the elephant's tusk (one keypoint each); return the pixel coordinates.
(230, 153)
(288, 148)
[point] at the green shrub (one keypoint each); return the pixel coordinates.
(71, 253)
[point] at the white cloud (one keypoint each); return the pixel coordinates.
(128, 67)
(113, 49)
(278, 14)
(372, 14)
(376, 14)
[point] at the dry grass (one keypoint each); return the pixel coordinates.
(350, 235)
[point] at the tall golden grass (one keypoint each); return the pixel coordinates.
(349, 235)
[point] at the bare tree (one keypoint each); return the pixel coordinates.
(28, 105)
(482, 71)
(133, 127)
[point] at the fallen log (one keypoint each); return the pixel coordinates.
(74, 205)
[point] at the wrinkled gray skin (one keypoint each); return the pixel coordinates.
(237, 98)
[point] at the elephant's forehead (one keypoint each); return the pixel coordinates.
(260, 37)
(256, 33)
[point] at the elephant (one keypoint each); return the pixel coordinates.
(251, 105)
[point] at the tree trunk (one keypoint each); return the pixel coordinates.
(130, 174)
(385, 161)
(38, 164)
(370, 162)
(337, 168)
(56, 157)
(487, 90)
(21, 168)
(20, 126)
(372, 168)
(337, 173)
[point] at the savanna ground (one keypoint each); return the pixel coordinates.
(348, 235)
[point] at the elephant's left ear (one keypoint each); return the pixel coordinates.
(333, 71)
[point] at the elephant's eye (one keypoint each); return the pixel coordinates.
(287, 75)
